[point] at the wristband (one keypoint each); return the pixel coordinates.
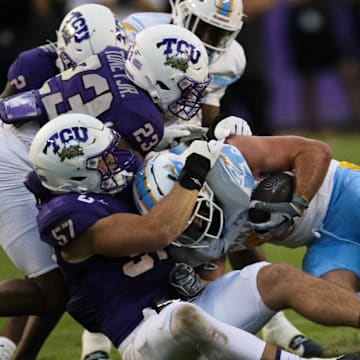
(301, 202)
(194, 172)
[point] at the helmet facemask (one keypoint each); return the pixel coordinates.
(191, 99)
(116, 167)
(206, 222)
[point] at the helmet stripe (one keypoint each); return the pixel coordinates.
(224, 7)
(145, 196)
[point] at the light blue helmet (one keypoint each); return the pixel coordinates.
(155, 180)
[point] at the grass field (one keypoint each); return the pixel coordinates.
(64, 342)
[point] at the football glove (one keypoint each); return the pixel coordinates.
(174, 134)
(223, 126)
(282, 216)
(185, 281)
(199, 157)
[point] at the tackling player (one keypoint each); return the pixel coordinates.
(173, 75)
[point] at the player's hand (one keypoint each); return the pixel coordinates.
(210, 150)
(177, 133)
(185, 281)
(282, 216)
(224, 126)
(199, 158)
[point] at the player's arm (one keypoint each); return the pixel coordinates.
(124, 234)
(309, 158)
(209, 112)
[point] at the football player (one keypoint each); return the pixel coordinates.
(318, 215)
(117, 269)
(217, 24)
(171, 82)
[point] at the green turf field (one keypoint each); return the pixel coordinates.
(64, 342)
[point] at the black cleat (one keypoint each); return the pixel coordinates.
(349, 357)
(97, 355)
(310, 347)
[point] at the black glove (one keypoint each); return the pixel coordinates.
(200, 158)
(185, 281)
(282, 216)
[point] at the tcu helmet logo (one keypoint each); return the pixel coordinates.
(70, 138)
(179, 53)
(75, 28)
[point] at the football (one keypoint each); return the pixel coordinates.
(274, 188)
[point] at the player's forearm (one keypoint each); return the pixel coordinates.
(171, 214)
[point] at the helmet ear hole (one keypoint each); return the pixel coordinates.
(162, 85)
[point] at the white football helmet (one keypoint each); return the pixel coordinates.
(156, 178)
(215, 22)
(78, 153)
(171, 64)
(86, 30)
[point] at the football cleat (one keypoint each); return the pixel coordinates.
(97, 355)
(349, 357)
(303, 346)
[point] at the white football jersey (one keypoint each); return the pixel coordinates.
(232, 183)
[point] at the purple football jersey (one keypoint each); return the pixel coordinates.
(32, 68)
(106, 294)
(100, 87)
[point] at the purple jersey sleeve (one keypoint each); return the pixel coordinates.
(106, 294)
(100, 87)
(32, 68)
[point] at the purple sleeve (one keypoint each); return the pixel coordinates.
(65, 217)
(32, 68)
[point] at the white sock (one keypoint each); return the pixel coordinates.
(279, 330)
(7, 348)
(92, 342)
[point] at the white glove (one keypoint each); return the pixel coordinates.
(208, 149)
(230, 125)
(174, 134)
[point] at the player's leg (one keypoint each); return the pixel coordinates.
(316, 299)
(279, 330)
(44, 291)
(26, 296)
(184, 331)
(10, 336)
(95, 346)
(334, 252)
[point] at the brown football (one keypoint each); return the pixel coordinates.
(274, 188)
